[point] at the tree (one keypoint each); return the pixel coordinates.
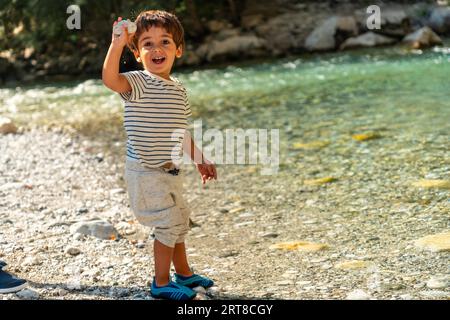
(192, 12)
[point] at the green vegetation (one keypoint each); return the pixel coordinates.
(41, 24)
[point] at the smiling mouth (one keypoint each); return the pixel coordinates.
(158, 60)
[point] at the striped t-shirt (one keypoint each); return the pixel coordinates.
(156, 112)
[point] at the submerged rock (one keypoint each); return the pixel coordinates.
(438, 184)
(319, 181)
(435, 243)
(325, 36)
(366, 136)
(352, 265)
(310, 145)
(300, 246)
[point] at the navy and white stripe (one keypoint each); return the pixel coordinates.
(156, 112)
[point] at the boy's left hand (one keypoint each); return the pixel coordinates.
(207, 170)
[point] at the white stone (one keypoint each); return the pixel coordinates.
(199, 289)
(214, 290)
(358, 294)
(32, 261)
(435, 243)
(74, 285)
(61, 292)
(438, 282)
(130, 25)
(435, 294)
(28, 294)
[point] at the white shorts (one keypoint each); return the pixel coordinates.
(156, 199)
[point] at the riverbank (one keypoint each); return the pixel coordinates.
(281, 29)
(354, 238)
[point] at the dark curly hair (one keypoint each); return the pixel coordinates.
(161, 19)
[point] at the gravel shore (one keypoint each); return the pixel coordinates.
(356, 236)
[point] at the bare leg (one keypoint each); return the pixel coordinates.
(180, 260)
(163, 258)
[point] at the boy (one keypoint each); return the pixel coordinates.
(156, 111)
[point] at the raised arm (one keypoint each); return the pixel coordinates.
(110, 73)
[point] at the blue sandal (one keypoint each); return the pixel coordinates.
(194, 281)
(172, 291)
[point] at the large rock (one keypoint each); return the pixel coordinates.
(331, 33)
(286, 32)
(7, 126)
(218, 25)
(98, 228)
(439, 20)
(422, 38)
(394, 21)
(236, 46)
(368, 39)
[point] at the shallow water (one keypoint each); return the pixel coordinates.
(371, 211)
(400, 94)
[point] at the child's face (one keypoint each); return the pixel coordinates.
(157, 51)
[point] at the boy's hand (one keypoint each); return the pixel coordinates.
(122, 40)
(207, 170)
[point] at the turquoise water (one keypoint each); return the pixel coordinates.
(395, 92)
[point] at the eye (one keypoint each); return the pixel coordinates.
(166, 41)
(147, 44)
